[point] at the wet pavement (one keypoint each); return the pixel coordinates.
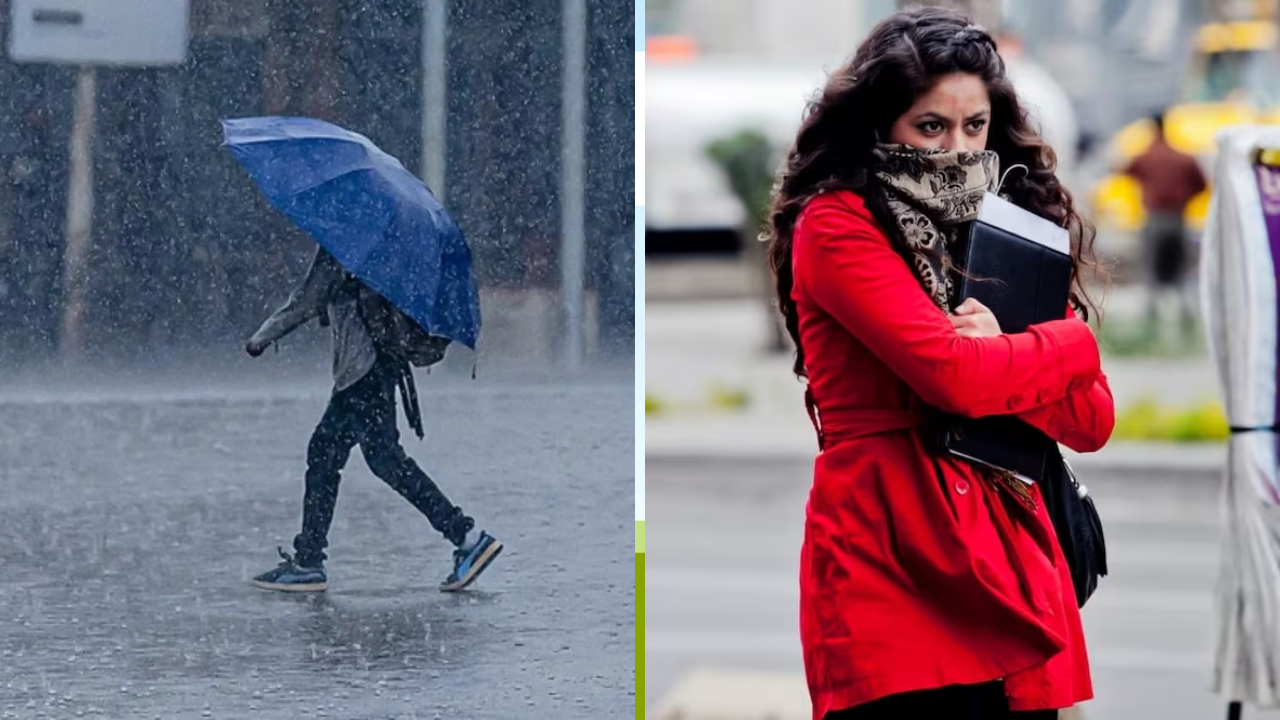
(129, 528)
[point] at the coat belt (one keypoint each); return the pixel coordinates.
(844, 424)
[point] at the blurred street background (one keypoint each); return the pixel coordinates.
(149, 468)
(729, 446)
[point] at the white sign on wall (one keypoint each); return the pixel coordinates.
(99, 32)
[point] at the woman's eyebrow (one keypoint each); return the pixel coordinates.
(931, 115)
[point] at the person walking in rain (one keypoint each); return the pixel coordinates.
(1170, 179)
(361, 411)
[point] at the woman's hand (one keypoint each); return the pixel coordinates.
(973, 319)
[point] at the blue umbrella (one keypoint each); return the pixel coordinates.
(378, 220)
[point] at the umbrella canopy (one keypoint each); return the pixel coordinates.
(380, 222)
(1240, 265)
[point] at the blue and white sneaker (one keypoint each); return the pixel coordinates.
(289, 576)
(471, 560)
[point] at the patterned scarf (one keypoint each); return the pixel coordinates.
(930, 193)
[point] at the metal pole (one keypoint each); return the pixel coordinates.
(79, 227)
(573, 176)
(434, 95)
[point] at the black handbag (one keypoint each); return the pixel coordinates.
(1075, 518)
(1077, 525)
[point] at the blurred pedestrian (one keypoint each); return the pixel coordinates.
(1170, 179)
(362, 411)
(929, 588)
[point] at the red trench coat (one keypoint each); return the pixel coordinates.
(915, 573)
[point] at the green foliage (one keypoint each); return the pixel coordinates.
(1141, 337)
(746, 158)
(652, 405)
(729, 398)
(1147, 419)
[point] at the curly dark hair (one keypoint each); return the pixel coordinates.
(900, 60)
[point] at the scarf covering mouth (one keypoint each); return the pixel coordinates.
(929, 193)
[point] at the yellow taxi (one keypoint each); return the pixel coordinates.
(1234, 78)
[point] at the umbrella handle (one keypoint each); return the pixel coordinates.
(1234, 710)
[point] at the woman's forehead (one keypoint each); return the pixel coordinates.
(954, 94)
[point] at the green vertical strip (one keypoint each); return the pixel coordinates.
(639, 622)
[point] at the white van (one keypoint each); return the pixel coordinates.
(689, 207)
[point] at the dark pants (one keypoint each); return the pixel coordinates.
(1165, 236)
(954, 702)
(365, 415)
(1165, 241)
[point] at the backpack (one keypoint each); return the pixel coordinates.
(397, 334)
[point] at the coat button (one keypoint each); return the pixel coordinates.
(962, 486)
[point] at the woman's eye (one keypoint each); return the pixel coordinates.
(930, 128)
(977, 125)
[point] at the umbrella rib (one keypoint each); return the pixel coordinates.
(328, 180)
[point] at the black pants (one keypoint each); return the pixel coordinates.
(954, 702)
(365, 415)
(1166, 238)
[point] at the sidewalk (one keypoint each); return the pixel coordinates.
(694, 350)
(710, 694)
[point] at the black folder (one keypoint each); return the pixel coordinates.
(1018, 265)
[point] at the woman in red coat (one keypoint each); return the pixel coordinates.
(929, 588)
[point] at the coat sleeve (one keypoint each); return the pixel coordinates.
(305, 302)
(1082, 421)
(845, 265)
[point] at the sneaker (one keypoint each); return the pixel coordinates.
(289, 576)
(470, 561)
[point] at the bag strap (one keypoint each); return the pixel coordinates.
(1081, 490)
(409, 395)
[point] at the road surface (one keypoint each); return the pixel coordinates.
(130, 523)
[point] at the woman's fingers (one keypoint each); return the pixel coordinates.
(980, 323)
(971, 306)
